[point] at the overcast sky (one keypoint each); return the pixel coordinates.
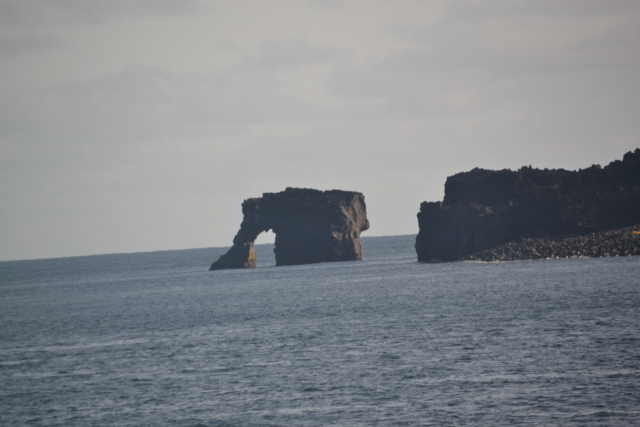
(142, 125)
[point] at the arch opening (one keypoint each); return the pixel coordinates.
(264, 247)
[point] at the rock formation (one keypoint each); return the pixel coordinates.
(483, 209)
(310, 226)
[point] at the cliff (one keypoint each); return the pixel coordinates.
(483, 209)
(310, 226)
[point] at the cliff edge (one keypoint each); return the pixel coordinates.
(483, 209)
(310, 226)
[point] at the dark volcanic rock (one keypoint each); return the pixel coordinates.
(310, 226)
(620, 242)
(484, 209)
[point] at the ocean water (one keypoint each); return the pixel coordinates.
(156, 339)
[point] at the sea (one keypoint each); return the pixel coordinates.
(156, 339)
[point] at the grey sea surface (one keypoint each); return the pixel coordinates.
(156, 339)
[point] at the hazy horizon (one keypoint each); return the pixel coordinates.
(141, 126)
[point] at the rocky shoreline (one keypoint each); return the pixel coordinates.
(619, 242)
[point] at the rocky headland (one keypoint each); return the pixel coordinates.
(534, 213)
(310, 226)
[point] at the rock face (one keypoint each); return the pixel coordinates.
(483, 209)
(310, 226)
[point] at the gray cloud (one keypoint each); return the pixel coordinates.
(572, 9)
(11, 46)
(60, 13)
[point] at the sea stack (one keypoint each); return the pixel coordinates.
(484, 209)
(310, 226)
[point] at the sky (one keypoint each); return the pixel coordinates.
(142, 125)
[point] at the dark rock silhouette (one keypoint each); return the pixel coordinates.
(310, 226)
(483, 209)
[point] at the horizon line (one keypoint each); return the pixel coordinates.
(44, 258)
